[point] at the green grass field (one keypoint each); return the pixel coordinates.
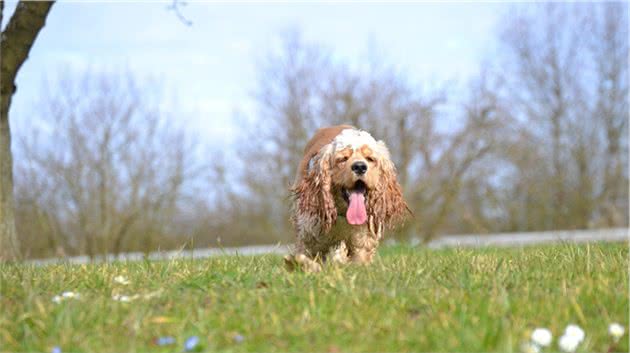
(408, 300)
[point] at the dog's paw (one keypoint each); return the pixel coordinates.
(290, 263)
(301, 262)
(339, 254)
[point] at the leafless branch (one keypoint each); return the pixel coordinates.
(176, 6)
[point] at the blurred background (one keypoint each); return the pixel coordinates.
(144, 126)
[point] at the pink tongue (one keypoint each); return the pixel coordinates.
(356, 213)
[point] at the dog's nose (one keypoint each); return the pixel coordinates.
(359, 168)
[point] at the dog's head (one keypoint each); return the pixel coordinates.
(352, 176)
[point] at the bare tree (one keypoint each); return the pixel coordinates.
(269, 150)
(565, 68)
(544, 50)
(607, 33)
(15, 43)
(106, 170)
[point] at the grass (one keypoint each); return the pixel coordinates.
(408, 300)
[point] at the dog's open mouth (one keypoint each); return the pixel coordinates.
(357, 213)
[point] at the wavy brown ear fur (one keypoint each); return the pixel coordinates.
(387, 205)
(313, 195)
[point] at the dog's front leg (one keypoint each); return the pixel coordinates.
(339, 254)
(363, 247)
(299, 260)
(302, 262)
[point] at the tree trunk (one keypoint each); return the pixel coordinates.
(15, 43)
(9, 249)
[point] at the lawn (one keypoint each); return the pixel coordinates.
(408, 300)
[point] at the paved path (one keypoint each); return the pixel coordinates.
(521, 239)
(501, 240)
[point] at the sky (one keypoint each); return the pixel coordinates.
(210, 66)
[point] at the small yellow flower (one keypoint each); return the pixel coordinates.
(121, 280)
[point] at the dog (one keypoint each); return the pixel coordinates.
(345, 195)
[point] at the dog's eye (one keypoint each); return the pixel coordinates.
(370, 159)
(342, 159)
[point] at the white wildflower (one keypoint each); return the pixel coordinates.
(568, 343)
(65, 295)
(616, 331)
(121, 298)
(574, 331)
(542, 337)
(121, 280)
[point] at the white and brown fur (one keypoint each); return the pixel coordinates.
(318, 210)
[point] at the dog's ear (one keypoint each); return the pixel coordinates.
(313, 194)
(387, 205)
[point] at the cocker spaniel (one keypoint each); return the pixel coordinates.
(345, 194)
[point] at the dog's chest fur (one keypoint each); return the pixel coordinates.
(353, 237)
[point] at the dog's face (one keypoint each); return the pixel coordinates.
(353, 176)
(354, 170)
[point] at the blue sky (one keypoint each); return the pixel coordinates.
(211, 65)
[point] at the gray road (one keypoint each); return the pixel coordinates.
(500, 240)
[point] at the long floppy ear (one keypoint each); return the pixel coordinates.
(387, 205)
(313, 195)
